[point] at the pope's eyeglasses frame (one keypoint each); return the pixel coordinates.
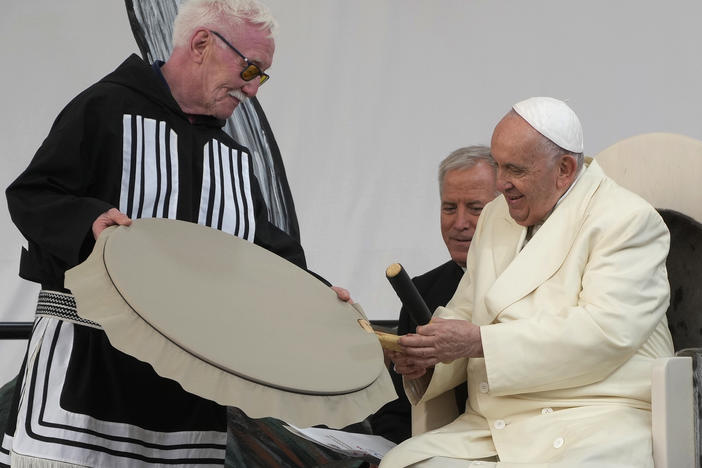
(251, 70)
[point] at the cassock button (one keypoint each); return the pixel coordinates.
(547, 411)
(484, 387)
(499, 424)
(558, 443)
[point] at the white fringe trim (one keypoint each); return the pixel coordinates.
(24, 461)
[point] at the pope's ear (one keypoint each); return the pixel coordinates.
(567, 169)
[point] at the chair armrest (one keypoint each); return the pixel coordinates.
(673, 409)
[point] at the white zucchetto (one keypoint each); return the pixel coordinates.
(554, 120)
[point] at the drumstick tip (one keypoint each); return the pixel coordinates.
(393, 270)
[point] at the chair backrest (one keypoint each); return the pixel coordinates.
(685, 276)
(664, 168)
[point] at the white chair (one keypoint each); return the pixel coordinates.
(673, 413)
(665, 169)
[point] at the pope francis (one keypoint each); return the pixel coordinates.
(557, 321)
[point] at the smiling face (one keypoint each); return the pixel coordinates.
(465, 193)
(222, 86)
(531, 180)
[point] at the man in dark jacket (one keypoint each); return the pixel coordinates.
(466, 185)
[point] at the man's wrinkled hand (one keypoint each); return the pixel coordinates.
(443, 340)
(109, 218)
(407, 366)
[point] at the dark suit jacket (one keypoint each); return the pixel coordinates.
(393, 421)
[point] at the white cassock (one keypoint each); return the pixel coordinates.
(570, 324)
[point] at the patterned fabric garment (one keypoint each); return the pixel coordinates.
(124, 143)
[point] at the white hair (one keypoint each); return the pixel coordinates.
(464, 158)
(553, 150)
(215, 14)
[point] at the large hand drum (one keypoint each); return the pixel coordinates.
(232, 322)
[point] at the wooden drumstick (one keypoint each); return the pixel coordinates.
(410, 298)
(408, 294)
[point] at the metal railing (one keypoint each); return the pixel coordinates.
(22, 330)
(15, 330)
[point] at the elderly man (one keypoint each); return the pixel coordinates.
(145, 141)
(558, 320)
(466, 185)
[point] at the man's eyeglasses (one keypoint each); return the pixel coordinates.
(251, 70)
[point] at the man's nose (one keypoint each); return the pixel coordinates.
(463, 219)
(503, 183)
(250, 88)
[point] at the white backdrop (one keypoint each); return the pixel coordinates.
(50, 51)
(367, 96)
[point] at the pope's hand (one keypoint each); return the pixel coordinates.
(442, 340)
(407, 366)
